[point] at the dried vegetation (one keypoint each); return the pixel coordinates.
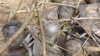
(60, 27)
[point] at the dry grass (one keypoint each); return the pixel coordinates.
(24, 11)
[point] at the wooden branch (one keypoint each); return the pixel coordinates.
(88, 18)
(57, 4)
(92, 48)
(42, 32)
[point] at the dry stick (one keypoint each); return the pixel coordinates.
(79, 3)
(15, 36)
(27, 7)
(42, 5)
(86, 18)
(57, 4)
(14, 12)
(87, 32)
(97, 38)
(92, 48)
(42, 33)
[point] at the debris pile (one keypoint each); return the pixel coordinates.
(50, 28)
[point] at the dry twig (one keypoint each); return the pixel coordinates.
(43, 34)
(16, 9)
